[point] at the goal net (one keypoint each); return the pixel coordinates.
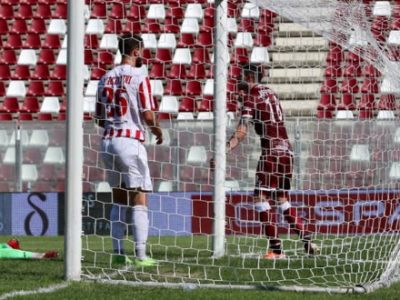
(333, 64)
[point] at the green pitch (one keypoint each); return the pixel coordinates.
(31, 275)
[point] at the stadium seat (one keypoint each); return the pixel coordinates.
(95, 26)
(36, 89)
(246, 25)
(187, 104)
(194, 10)
(54, 155)
(157, 88)
(47, 57)
(109, 41)
(16, 88)
(175, 12)
(177, 71)
(43, 11)
(50, 105)
(7, 172)
(91, 41)
(6, 117)
(24, 11)
(27, 57)
(57, 26)
(186, 40)
(259, 55)
(117, 11)
(149, 40)
(250, 10)
(32, 155)
(59, 72)
(371, 71)
(182, 56)
(350, 86)
(21, 73)
(52, 41)
(201, 56)
(62, 57)
(163, 55)
(327, 102)
(32, 41)
(55, 88)
(8, 57)
(30, 105)
(157, 70)
(19, 27)
(352, 70)
(5, 73)
(244, 40)
(347, 102)
(173, 87)
(197, 71)
(136, 13)
(190, 25)
(98, 10)
(97, 72)
(206, 104)
(382, 8)
(329, 86)
(13, 41)
(10, 105)
(60, 11)
(156, 11)
(169, 104)
(6, 12)
(23, 116)
(171, 25)
(239, 56)
(208, 24)
(370, 85)
(193, 88)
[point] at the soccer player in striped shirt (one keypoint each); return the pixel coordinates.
(125, 109)
(261, 109)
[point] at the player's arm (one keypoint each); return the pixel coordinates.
(239, 135)
(148, 107)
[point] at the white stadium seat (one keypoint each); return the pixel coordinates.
(27, 57)
(16, 88)
(182, 56)
(109, 41)
(95, 26)
(156, 11)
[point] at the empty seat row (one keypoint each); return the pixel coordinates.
(27, 11)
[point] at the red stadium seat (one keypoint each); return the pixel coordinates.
(371, 71)
(204, 39)
(157, 71)
(21, 73)
(5, 73)
(6, 12)
(32, 156)
(201, 56)
(8, 57)
(193, 88)
(349, 86)
(387, 102)
(3, 27)
(6, 117)
(36, 89)
(173, 87)
(186, 40)
(370, 85)
(327, 102)
(335, 54)
(240, 56)
(177, 71)
(246, 25)
(235, 72)
(24, 12)
(59, 72)
(32, 41)
(10, 105)
(137, 12)
(206, 105)
(197, 71)
(353, 58)
(43, 11)
(37, 26)
(55, 88)
(366, 106)
(187, 104)
(19, 26)
(175, 12)
(347, 102)
(117, 11)
(47, 57)
(89, 59)
(105, 57)
(60, 11)
(91, 41)
(97, 72)
(113, 26)
(171, 25)
(352, 70)
(152, 26)
(329, 86)
(208, 24)
(30, 105)
(163, 55)
(333, 70)
(44, 117)
(263, 40)
(25, 116)
(2, 89)
(13, 41)
(132, 27)
(52, 41)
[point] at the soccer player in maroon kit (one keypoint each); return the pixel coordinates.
(261, 108)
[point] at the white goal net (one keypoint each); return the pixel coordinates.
(333, 64)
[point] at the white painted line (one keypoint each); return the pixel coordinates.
(46, 290)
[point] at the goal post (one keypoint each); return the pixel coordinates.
(74, 153)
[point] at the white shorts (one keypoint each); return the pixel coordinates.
(126, 164)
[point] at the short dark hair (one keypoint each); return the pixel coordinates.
(253, 69)
(128, 42)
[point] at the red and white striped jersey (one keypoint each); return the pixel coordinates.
(122, 95)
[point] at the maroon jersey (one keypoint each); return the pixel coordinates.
(263, 108)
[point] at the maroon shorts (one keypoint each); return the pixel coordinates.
(274, 173)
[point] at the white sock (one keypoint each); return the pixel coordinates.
(140, 220)
(118, 227)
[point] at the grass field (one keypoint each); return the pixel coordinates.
(31, 275)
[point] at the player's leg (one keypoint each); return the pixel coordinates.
(283, 178)
(267, 215)
(118, 219)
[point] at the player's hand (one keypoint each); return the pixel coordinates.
(158, 133)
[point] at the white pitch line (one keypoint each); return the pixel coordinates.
(46, 290)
